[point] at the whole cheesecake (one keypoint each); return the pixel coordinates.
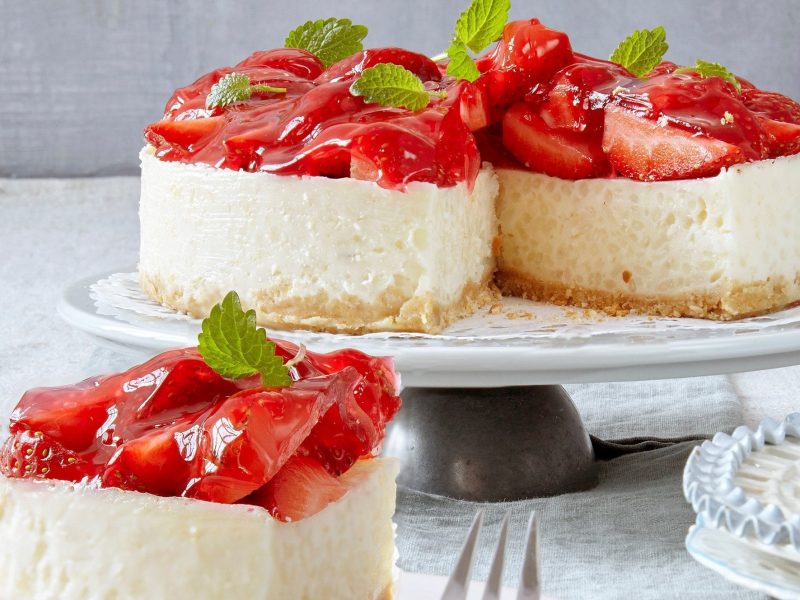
(553, 175)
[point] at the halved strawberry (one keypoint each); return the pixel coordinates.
(527, 54)
(779, 116)
(555, 152)
(72, 415)
(579, 93)
(294, 60)
(351, 67)
(302, 488)
(474, 107)
(784, 138)
(160, 461)
(181, 135)
(773, 105)
(643, 149)
(31, 454)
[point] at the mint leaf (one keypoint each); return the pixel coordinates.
(710, 69)
(330, 40)
(388, 84)
(477, 27)
(232, 345)
(461, 64)
(482, 23)
(642, 51)
(233, 88)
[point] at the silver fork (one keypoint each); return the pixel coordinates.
(529, 586)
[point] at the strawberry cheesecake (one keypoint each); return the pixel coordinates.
(332, 202)
(173, 481)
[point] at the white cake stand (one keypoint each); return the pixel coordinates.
(485, 403)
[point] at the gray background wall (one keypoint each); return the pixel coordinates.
(80, 78)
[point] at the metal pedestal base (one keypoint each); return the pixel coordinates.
(492, 444)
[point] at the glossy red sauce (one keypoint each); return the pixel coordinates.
(174, 427)
(536, 101)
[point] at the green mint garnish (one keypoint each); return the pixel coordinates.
(461, 64)
(330, 40)
(388, 84)
(477, 27)
(642, 51)
(233, 88)
(710, 69)
(232, 345)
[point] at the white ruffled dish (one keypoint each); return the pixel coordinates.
(745, 488)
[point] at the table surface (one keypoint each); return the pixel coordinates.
(53, 232)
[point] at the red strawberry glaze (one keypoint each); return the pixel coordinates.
(319, 128)
(173, 427)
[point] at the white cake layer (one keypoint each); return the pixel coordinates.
(740, 228)
(62, 542)
(297, 247)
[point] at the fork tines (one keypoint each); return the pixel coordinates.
(529, 584)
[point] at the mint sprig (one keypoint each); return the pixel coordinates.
(233, 88)
(461, 64)
(477, 27)
(711, 69)
(642, 51)
(330, 40)
(232, 345)
(388, 84)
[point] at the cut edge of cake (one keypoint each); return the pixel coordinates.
(360, 258)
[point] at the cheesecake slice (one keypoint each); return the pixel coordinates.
(243, 468)
(61, 540)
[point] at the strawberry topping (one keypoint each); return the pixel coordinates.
(552, 104)
(174, 427)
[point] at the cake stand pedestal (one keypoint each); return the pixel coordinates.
(494, 444)
(485, 416)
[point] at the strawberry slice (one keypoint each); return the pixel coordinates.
(579, 93)
(641, 148)
(779, 116)
(351, 67)
(180, 136)
(300, 63)
(475, 108)
(772, 105)
(301, 489)
(555, 152)
(355, 426)
(784, 138)
(31, 454)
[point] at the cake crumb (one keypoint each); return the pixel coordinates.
(727, 118)
(496, 308)
(618, 90)
(519, 314)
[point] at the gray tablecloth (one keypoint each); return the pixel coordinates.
(622, 540)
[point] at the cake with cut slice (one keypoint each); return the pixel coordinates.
(212, 472)
(615, 185)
